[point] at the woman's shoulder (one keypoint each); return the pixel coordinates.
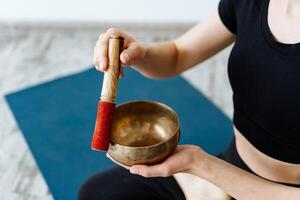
(237, 14)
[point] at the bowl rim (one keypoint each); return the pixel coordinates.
(156, 103)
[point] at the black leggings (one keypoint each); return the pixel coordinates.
(118, 183)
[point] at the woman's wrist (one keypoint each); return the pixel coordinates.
(200, 164)
(158, 60)
(141, 63)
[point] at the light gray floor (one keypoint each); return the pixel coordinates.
(34, 53)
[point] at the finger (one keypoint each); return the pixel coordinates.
(127, 38)
(132, 53)
(125, 166)
(167, 168)
(100, 52)
(102, 49)
(95, 57)
(117, 32)
(181, 147)
(160, 170)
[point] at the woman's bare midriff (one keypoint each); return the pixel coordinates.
(194, 187)
(265, 166)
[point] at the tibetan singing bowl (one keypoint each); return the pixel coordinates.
(143, 132)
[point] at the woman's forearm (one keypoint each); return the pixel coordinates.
(198, 44)
(241, 184)
(159, 61)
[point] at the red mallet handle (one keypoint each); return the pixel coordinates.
(106, 106)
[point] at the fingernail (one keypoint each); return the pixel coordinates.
(134, 171)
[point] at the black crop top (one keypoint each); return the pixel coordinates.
(265, 79)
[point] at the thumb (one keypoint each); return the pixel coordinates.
(159, 170)
(132, 54)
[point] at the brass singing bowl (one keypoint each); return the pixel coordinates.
(143, 132)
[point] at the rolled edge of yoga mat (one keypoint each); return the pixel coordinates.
(106, 107)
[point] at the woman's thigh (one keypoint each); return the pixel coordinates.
(118, 184)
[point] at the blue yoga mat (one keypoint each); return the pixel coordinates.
(57, 119)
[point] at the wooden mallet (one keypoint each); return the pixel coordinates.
(106, 105)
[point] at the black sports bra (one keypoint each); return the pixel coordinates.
(265, 78)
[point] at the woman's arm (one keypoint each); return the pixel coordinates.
(199, 43)
(167, 59)
(241, 184)
(238, 183)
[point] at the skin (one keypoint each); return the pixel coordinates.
(166, 59)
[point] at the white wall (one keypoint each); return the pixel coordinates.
(106, 10)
